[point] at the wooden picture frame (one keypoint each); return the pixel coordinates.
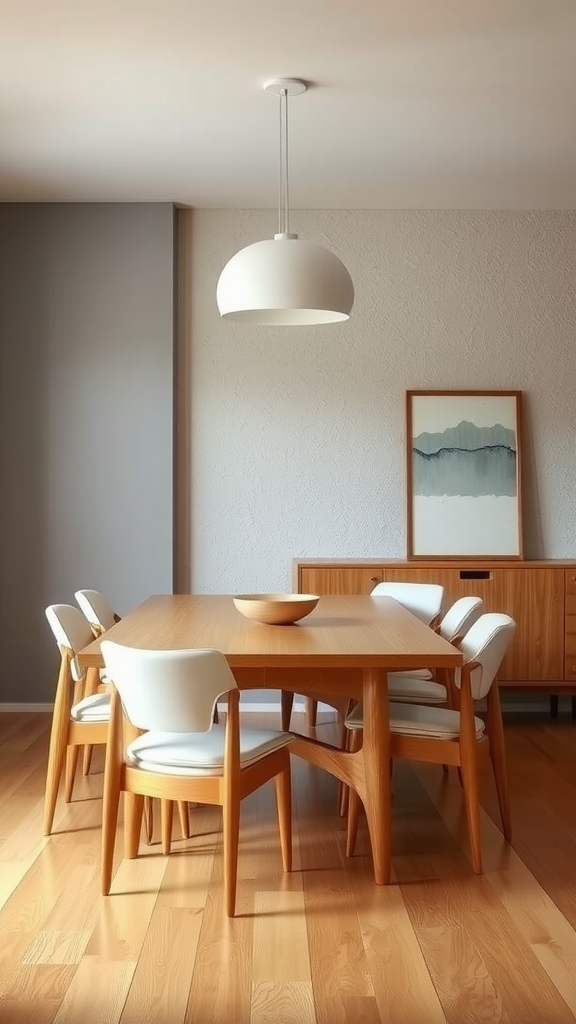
(463, 460)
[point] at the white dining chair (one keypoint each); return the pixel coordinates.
(97, 610)
(453, 737)
(183, 755)
(78, 719)
(424, 600)
(422, 686)
(100, 614)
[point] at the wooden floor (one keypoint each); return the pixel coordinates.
(323, 944)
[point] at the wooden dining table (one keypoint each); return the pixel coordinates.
(345, 647)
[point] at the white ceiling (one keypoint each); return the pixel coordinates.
(416, 103)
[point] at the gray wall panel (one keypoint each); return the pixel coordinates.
(86, 418)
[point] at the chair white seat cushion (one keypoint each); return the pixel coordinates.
(200, 753)
(92, 709)
(435, 723)
(419, 720)
(415, 689)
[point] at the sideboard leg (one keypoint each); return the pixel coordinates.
(554, 705)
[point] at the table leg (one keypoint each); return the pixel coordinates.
(376, 756)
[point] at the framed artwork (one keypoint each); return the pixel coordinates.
(463, 474)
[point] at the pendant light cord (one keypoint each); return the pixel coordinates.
(283, 189)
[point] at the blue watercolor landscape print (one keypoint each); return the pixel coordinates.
(465, 459)
(464, 462)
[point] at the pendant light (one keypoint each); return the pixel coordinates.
(285, 280)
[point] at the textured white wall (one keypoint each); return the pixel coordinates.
(297, 435)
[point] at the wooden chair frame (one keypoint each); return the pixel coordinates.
(461, 752)
(68, 735)
(98, 631)
(226, 790)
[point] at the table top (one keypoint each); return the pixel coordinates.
(344, 631)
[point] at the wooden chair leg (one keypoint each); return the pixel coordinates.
(354, 806)
(470, 784)
(311, 712)
(445, 676)
(231, 817)
(149, 819)
(167, 818)
(70, 771)
(93, 685)
(57, 749)
(345, 739)
(343, 791)
(286, 703)
(343, 800)
(112, 781)
(284, 801)
(498, 758)
(354, 802)
(133, 811)
(184, 818)
(231, 802)
(87, 758)
(109, 825)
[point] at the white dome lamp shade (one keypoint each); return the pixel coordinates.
(285, 280)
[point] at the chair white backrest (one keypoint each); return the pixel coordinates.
(168, 691)
(424, 600)
(96, 608)
(460, 617)
(72, 630)
(486, 642)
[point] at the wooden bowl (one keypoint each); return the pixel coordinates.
(276, 609)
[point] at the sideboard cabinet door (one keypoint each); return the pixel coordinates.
(338, 579)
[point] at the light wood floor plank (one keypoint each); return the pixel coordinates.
(163, 976)
(221, 981)
(97, 993)
(402, 983)
(340, 972)
(489, 940)
(285, 1002)
(549, 935)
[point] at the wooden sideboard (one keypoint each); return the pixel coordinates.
(539, 595)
